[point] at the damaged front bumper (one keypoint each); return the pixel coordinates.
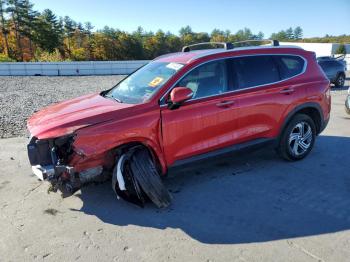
(44, 159)
(49, 164)
(51, 172)
(135, 176)
(43, 172)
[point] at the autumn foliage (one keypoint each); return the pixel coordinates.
(28, 35)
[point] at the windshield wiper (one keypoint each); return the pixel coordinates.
(114, 98)
(117, 99)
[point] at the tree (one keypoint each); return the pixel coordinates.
(49, 32)
(245, 34)
(26, 34)
(29, 24)
(280, 36)
(3, 27)
(218, 36)
(201, 37)
(298, 33)
(260, 36)
(88, 31)
(187, 30)
(186, 35)
(18, 10)
(289, 33)
(341, 49)
(68, 29)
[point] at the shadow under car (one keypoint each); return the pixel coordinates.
(244, 198)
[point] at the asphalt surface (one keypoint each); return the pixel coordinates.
(244, 207)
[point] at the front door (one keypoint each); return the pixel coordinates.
(206, 122)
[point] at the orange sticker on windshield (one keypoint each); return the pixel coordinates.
(156, 81)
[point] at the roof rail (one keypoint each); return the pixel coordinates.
(272, 42)
(227, 46)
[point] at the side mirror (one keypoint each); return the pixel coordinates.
(179, 95)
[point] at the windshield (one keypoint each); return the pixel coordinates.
(141, 85)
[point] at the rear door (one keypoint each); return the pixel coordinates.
(206, 122)
(265, 89)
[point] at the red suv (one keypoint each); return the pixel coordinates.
(179, 108)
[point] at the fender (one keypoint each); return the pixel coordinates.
(82, 161)
(96, 141)
(298, 108)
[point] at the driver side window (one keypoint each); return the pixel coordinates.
(206, 80)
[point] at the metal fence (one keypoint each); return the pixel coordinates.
(70, 68)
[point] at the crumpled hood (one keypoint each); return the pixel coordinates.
(66, 117)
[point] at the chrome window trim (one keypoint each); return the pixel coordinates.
(162, 102)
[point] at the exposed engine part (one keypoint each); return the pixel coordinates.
(89, 175)
(64, 178)
(68, 181)
(50, 151)
(140, 179)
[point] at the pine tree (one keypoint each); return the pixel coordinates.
(289, 33)
(29, 24)
(49, 31)
(260, 36)
(298, 33)
(68, 29)
(88, 31)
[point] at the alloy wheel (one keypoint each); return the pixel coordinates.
(300, 139)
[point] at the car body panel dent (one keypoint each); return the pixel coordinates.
(141, 127)
(66, 117)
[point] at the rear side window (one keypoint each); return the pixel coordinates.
(255, 70)
(289, 65)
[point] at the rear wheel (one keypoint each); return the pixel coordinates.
(298, 138)
(340, 81)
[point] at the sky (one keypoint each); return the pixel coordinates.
(316, 17)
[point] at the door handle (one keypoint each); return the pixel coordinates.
(287, 91)
(225, 103)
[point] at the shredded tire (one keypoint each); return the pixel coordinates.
(141, 179)
(145, 173)
(132, 193)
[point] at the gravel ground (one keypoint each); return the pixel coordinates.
(20, 97)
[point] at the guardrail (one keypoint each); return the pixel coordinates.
(70, 68)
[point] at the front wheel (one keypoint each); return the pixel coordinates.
(135, 179)
(298, 138)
